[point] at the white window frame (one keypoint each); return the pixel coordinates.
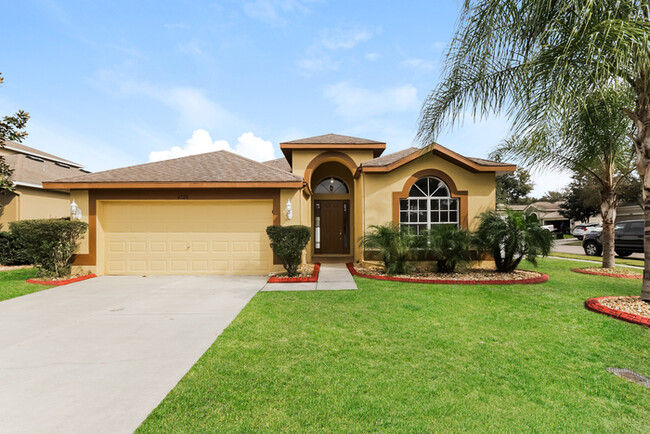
(427, 199)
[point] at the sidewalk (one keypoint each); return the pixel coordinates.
(331, 277)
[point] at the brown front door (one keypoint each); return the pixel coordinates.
(333, 216)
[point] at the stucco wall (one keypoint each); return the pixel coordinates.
(10, 204)
(42, 204)
(379, 188)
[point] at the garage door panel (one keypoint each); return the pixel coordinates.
(208, 237)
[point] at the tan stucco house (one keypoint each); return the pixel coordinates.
(29, 200)
(207, 213)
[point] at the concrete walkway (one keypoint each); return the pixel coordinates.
(98, 356)
(331, 277)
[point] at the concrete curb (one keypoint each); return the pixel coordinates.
(593, 304)
(61, 282)
(312, 278)
(540, 279)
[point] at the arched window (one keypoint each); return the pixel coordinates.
(331, 186)
(429, 203)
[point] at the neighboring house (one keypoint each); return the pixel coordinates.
(207, 213)
(29, 200)
(548, 213)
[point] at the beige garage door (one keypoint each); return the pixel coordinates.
(185, 237)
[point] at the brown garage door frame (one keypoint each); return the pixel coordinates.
(179, 195)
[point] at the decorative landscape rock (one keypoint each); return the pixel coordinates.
(470, 277)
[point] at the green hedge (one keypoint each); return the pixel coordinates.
(49, 243)
(288, 242)
(11, 251)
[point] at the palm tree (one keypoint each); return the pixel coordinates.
(393, 243)
(449, 245)
(511, 238)
(535, 59)
(592, 139)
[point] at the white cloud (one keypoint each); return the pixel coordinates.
(344, 37)
(317, 64)
(318, 58)
(273, 11)
(439, 46)
(418, 64)
(357, 102)
(195, 109)
(372, 56)
(248, 145)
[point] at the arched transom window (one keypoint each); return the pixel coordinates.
(331, 186)
(429, 203)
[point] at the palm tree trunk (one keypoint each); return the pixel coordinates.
(643, 167)
(608, 213)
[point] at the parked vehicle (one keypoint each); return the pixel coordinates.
(579, 231)
(628, 239)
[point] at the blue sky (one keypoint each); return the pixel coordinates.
(110, 84)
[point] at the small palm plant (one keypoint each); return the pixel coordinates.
(394, 244)
(511, 238)
(449, 246)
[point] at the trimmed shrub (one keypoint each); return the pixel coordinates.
(288, 242)
(511, 238)
(11, 251)
(394, 244)
(449, 246)
(49, 243)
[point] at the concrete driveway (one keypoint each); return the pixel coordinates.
(100, 355)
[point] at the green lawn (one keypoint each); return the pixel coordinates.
(12, 283)
(413, 358)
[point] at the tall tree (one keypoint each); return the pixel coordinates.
(534, 60)
(591, 139)
(11, 128)
(513, 188)
(582, 200)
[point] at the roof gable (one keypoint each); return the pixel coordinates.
(392, 161)
(331, 142)
(214, 169)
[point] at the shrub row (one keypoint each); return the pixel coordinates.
(508, 239)
(47, 243)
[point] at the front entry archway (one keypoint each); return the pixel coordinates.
(332, 184)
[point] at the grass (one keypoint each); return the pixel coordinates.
(599, 259)
(415, 358)
(12, 283)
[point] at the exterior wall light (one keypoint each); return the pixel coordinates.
(289, 210)
(75, 211)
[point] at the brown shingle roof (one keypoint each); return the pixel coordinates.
(219, 166)
(334, 139)
(484, 162)
(279, 163)
(30, 171)
(19, 147)
(388, 159)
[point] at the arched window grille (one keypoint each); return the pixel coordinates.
(429, 203)
(331, 186)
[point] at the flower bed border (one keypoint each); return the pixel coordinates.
(619, 276)
(594, 305)
(540, 279)
(312, 278)
(61, 282)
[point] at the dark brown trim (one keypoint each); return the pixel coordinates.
(462, 195)
(326, 157)
(178, 195)
(376, 148)
(168, 185)
(444, 153)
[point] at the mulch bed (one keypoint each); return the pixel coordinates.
(308, 273)
(470, 277)
(14, 267)
(61, 282)
(627, 308)
(619, 272)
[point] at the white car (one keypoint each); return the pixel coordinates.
(579, 231)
